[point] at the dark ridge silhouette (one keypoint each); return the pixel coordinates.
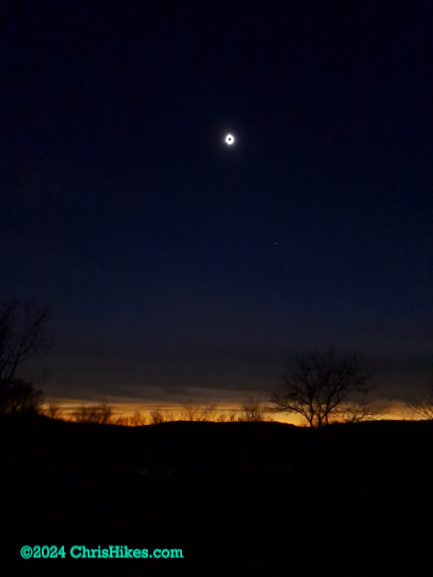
(301, 501)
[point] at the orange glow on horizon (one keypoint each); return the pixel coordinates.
(126, 410)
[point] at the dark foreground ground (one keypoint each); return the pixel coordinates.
(237, 498)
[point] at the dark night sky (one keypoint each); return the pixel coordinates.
(154, 245)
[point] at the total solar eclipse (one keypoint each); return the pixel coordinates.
(229, 139)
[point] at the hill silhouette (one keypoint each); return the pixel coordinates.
(346, 498)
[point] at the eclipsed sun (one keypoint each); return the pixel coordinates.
(229, 139)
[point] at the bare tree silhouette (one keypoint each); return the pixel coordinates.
(364, 409)
(198, 413)
(101, 413)
(52, 410)
(121, 421)
(21, 339)
(21, 336)
(318, 386)
(157, 416)
(421, 403)
(19, 396)
(137, 420)
(226, 417)
(254, 410)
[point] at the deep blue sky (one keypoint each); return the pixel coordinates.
(154, 245)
